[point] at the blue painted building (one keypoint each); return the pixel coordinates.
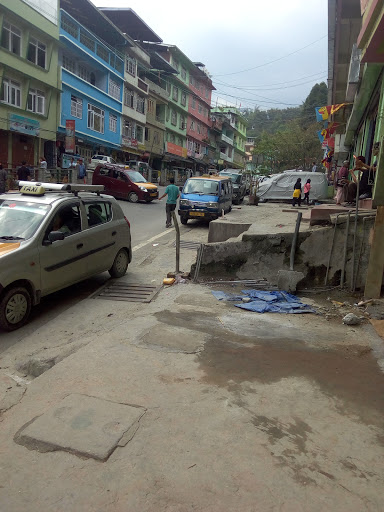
(92, 74)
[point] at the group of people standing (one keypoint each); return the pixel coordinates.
(297, 191)
(361, 178)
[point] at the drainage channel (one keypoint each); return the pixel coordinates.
(127, 292)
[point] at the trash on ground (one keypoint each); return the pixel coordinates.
(364, 303)
(155, 245)
(168, 280)
(180, 280)
(351, 319)
(262, 301)
(337, 303)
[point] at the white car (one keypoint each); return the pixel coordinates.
(279, 187)
(52, 239)
(101, 159)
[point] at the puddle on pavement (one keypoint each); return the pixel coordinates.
(349, 374)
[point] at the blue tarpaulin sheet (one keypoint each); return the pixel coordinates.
(267, 302)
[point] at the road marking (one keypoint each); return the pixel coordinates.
(137, 247)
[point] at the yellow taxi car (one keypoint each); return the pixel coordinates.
(52, 236)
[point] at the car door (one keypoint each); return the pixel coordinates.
(101, 235)
(62, 262)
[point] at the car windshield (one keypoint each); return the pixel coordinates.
(235, 178)
(19, 220)
(202, 187)
(136, 177)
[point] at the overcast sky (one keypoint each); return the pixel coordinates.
(232, 36)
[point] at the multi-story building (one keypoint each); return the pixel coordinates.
(356, 77)
(250, 157)
(30, 85)
(233, 138)
(199, 123)
(92, 72)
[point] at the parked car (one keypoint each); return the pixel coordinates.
(205, 197)
(102, 159)
(279, 187)
(239, 184)
(124, 183)
(53, 236)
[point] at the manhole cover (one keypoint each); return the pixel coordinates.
(127, 292)
(185, 244)
(84, 425)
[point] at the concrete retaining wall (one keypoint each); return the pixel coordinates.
(255, 256)
(221, 230)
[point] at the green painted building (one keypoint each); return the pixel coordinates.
(233, 137)
(30, 81)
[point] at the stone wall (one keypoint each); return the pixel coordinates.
(255, 256)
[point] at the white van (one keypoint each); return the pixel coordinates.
(279, 187)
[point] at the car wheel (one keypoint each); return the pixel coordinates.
(15, 307)
(133, 197)
(183, 220)
(120, 265)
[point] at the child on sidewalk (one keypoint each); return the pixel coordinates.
(307, 188)
(297, 193)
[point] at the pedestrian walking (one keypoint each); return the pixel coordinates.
(23, 173)
(45, 174)
(81, 172)
(158, 179)
(314, 167)
(173, 193)
(307, 188)
(3, 179)
(296, 198)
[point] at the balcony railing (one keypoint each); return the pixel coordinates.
(226, 139)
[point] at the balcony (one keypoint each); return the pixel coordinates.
(224, 156)
(142, 85)
(227, 139)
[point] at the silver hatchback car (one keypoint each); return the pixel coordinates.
(52, 236)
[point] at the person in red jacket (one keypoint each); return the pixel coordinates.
(307, 188)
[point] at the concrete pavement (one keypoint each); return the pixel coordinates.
(243, 411)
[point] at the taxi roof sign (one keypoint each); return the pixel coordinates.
(33, 190)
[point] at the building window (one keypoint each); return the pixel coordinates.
(183, 98)
(190, 145)
(11, 92)
(131, 66)
(175, 94)
(84, 73)
(156, 137)
(182, 123)
(197, 147)
(191, 80)
(113, 123)
(76, 107)
(151, 107)
(129, 129)
(69, 64)
(11, 38)
(198, 128)
(192, 127)
(69, 26)
(129, 98)
(114, 89)
(183, 73)
(172, 138)
(87, 41)
(102, 53)
(147, 134)
(200, 108)
(37, 52)
(140, 104)
(174, 117)
(95, 118)
(207, 93)
(194, 103)
(168, 87)
(139, 134)
(175, 64)
(36, 101)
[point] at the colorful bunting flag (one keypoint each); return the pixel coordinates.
(323, 113)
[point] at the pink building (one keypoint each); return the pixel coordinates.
(198, 122)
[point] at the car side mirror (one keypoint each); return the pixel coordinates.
(54, 236)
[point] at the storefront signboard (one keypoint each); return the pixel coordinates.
(174, 149)
(24, 125)
(70, 143)
(128, 142)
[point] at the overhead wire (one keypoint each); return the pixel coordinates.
(272, 61)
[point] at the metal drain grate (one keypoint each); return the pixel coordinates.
(127, 292)
(185, 244)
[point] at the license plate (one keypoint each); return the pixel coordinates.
(196, 214)
(155, 194)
